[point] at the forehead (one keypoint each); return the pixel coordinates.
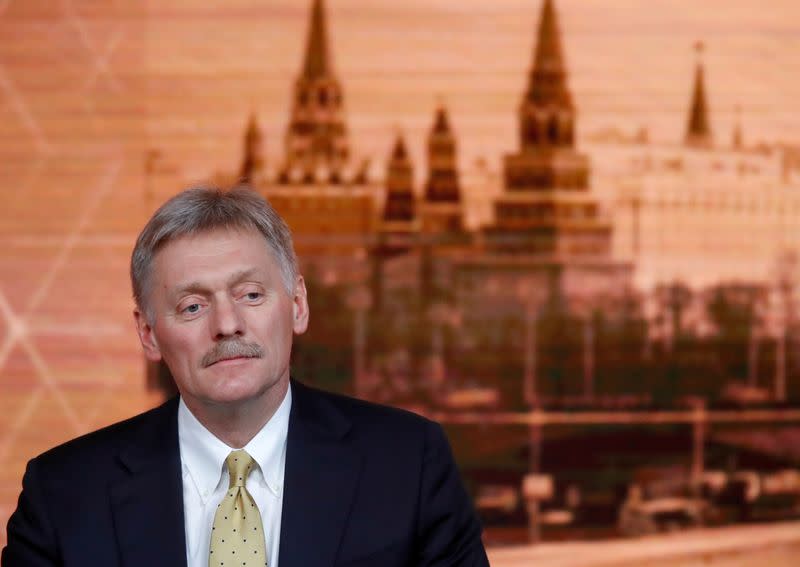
(211, 253)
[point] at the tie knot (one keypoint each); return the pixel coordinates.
(239, 466)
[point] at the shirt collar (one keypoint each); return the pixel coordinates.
(203, 455)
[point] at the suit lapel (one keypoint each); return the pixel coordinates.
(147, 506)
(321, 477)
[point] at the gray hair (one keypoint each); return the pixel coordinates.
(202, 209)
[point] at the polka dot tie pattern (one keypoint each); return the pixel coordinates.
(237, 537)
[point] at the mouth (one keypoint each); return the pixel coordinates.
(229, 361)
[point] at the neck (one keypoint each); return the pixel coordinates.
(235, 424)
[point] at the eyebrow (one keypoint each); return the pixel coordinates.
(197, 287)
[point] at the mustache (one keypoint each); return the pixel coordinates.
(231, 349)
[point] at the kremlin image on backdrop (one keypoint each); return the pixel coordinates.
(586, 334)
(583, 261)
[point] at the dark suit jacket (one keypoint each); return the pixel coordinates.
(365, 485)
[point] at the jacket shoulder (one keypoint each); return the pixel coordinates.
(365, 413)
(99, 444)
(373, 427)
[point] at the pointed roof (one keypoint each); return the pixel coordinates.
(253, 131)
(548, 84)
(251, 160)
(441, 124)
(399, 205)
(399, 152)
(698, 131)
(317, 59)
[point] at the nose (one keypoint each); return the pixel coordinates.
(227, 320)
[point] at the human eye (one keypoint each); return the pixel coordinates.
(190, 309)
(253, 295)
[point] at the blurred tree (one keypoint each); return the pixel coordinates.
(673, 300)
(621, 334)
(560, 351)
(734, 310)
(323, 356)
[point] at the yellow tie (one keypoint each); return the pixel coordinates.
(237, 537)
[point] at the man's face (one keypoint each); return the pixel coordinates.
(222, 319)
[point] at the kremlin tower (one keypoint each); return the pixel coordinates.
(316, 138)
(399, 209)
(331, 207)
(441, 209)
(549, 235)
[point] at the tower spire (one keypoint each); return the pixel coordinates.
(317, 59)
(546, 114)
(399, 185)
(546, 182)
(253, 160)
(316, 137)
(442, 184)
(548, 77)
(698, 131)
(441, 123)
(441, 208)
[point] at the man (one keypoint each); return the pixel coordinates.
(247, 466)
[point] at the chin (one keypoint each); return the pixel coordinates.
(238, 388)
(229, 396)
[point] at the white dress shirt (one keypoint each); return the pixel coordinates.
(205, 479)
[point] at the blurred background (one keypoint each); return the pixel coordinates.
(567, 229)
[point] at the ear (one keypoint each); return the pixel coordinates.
(146, 336)
(300, 307)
